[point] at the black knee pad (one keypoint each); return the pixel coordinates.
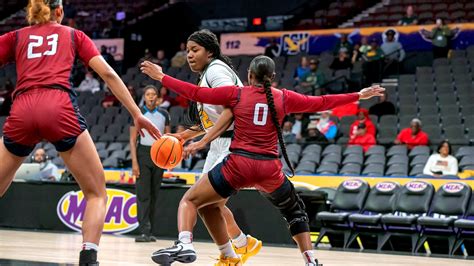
(291, 207)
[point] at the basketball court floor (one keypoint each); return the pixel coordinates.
(25, 248)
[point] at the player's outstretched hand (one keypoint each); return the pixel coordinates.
(141, 122)
(370, 92)
(193, 148)
(154, 71)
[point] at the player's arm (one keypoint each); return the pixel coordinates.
(299, 103)
(88, 53)
(133, 151)
(188, 134)
(216, 96)
(222, 124)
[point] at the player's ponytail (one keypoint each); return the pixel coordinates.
(263, 68)
(40, 11)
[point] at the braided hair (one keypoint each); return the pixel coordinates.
(263, 68)
(208, 40)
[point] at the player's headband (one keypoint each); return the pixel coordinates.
(54, 3)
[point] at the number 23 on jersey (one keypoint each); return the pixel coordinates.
(38, 41)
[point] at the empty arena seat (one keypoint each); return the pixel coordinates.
(350, 197)
(450, 202)
(413, 201)
(465, 228)
(381, 200)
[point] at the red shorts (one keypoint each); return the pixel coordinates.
(43, 114)
(237, 171)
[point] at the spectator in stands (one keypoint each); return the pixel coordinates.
(345, 110)
(89, 84)
(343, 44)
(362, 118)
(312, 81)
(314, 135)
(161, 59)
(442, 163)
(360, 49)
(109, 99)
(412, 136)
(372, 66)
(342, 61)
(302, 69)
(272, 50)
(49, 171)
(393, 53)
(287, 133)
(362, 138)
(300, 123)
(167, 100)
(146, 57)
(108, 57)
(410, 18)
(440, 37)
(383, 107)
(179, 59)
(326, 126)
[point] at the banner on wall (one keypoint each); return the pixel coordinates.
(318, 41)
(121, 214)
(114, 46)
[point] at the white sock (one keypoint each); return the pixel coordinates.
(308, 257)
(240, 241)
(90, 246)
(227, 250)
(185, 237)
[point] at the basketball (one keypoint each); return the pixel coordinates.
(166, 152)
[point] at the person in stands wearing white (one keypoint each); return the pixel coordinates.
(442, 163)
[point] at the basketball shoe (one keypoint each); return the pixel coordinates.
(251, 249)
(224, 261)
(179, 252)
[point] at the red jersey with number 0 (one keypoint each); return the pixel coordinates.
(254, 130)
(45, 54)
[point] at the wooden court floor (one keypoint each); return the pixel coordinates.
(121, 250)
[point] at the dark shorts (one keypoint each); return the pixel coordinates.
(236, 172)
(43, 114)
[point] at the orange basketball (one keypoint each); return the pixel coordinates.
(167, 152)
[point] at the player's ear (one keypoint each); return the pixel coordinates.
(59, 14)
(273, 76)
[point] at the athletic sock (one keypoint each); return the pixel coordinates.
(240, 241)
(227, 250)
(186, 239)
(308, 257)
(90, 246)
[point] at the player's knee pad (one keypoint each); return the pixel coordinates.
(291, 207)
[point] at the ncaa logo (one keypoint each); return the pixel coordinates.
(121, 211)
(453, 187)
(294, 43)
(352, 184)
(385, 186)
(416, 186)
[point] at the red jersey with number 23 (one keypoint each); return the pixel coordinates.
(45, 54)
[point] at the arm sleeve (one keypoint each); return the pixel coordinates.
(299, 103)
(427, 169)
(7, 48)
(227, 96)
(402, 53)
(85, 47)
(218, 76)
(331, 134)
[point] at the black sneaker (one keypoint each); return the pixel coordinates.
(174, 253)
(144, 238)
(88, 258)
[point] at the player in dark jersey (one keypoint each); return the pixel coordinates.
(254, 160)
(45, 108)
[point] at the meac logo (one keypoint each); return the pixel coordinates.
(385, 186)
(121, 212)
(352, 184)
(453, 187)
(416, 186)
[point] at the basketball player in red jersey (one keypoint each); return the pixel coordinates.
(45, 108)
(254, 159)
